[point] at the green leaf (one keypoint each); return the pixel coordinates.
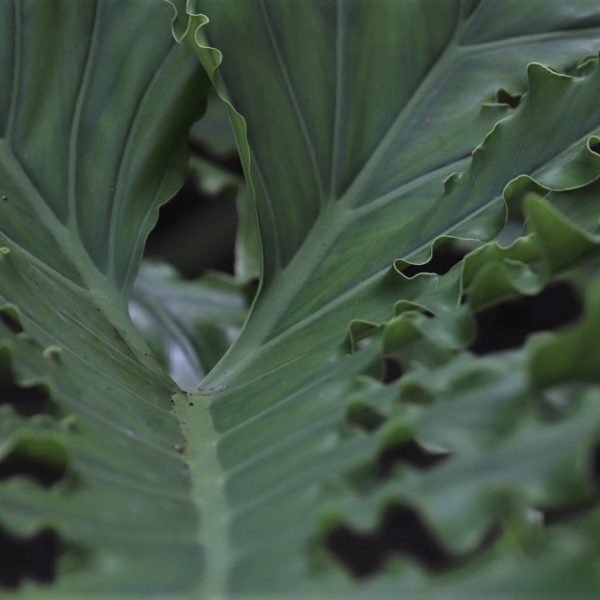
(332, 225)
(88, 153)
(241, 487)
(347, 181)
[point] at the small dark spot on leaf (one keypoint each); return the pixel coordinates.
(179, 448)
(30, 558)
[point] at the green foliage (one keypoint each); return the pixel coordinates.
(169, 463)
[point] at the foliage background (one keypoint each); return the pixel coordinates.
(370, 429)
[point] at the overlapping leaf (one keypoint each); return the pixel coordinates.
(360, 189)
(188, 325)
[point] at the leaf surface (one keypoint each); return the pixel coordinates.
(88, 153)
(348, 188)
(285, 441)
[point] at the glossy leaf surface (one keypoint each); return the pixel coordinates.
(296, 455)
(360, 188)
(88, 152)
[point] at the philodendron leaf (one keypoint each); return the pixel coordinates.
(347, 180)
(292, 463)
(368, 161)
(95, 108)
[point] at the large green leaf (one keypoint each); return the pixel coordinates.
(88, 153)
(365, 192)
(347, 178)
(283, 439)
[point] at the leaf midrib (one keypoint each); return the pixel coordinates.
(208, 491)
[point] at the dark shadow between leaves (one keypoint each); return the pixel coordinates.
(28, 558)
(179, 218)
(10, 321)
(407, 453)
(401, 531)
(392, 370)
(25, 401)
(507, 325)
(364, 417)
(505, 97)
(46, 466)
(444, 258)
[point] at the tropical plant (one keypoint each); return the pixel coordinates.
(411, 167)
